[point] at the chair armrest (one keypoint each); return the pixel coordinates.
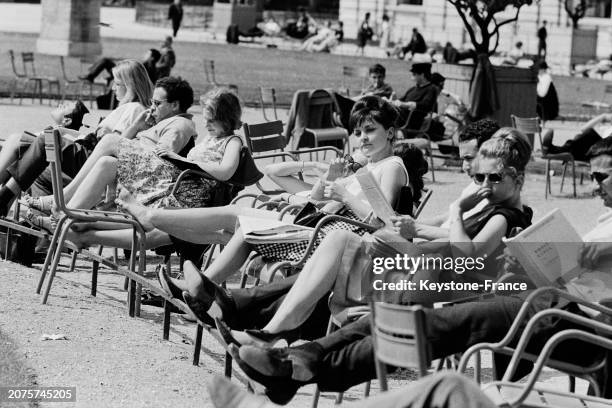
(338, 152)
(548, 349)
(277, 154)
(290, 207)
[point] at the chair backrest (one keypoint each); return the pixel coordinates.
(353, 72)
(320, 110)
(399, 336)
(63, 68)
(53, 150)
(530, 127)
(14, 65)
(267, 96)
(27, 58)
(209, 71)
(264, 137)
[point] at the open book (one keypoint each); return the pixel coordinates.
(266, 230)
(374, 195)
(549, 251)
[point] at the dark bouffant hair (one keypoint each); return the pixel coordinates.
(415, 164)
(377, 69)
(481, 130)
(373, 108)
(223, 106)
(177, 89)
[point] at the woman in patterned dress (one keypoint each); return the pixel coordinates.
(149, 175)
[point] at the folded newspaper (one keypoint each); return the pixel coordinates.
(373, 193)
(549, 251)
(265, 230)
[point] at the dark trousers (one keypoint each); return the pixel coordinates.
(347, 355)
(176, 24)
(255, 307)
(33, 162)
(99, 66)
(578, 146)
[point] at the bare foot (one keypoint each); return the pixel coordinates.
(129, 203)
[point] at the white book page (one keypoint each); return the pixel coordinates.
(374, 195)
(551, 246)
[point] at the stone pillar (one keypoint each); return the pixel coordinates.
(70, 27)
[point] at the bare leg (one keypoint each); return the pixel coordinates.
(103, 173)
(106, 147)
(316, 279)
(230, 259)
(118, 238)
(192, 224)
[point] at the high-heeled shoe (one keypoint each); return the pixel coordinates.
(43, 204)
(166, 283)
(198, 309)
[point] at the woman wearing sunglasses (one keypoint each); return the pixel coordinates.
(499, 173)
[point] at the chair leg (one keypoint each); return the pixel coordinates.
(56, 258)
(574, 177)
(73, 261)
(95, 267)
(228, 365)
(166, 323)
(366, 391)
(563, 177)
(547, 184)
(572, 384)
(50, 253)
(431, 165)
(197, 344)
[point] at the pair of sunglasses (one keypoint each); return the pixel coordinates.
(599, 176)
(352, 164)
(494, 178)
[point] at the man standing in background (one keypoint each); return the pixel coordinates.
(175, 13)
(542, 34)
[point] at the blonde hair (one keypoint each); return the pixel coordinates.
(135, 77)
(510, 146)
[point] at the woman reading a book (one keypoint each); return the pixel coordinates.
(499, 172)
(373, 121)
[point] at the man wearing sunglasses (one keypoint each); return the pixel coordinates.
(346, 357)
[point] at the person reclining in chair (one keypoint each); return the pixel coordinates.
(20, 169)
(419, 100)
(345, 358)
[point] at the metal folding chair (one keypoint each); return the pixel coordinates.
(29, 69)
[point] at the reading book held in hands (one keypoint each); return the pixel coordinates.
(549, 251)
(374, 195)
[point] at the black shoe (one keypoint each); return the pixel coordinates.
(299, 363)
(278, 390)
(166, 283)
(267, 337)
(198, 309)
(226, 333)
(211, 292)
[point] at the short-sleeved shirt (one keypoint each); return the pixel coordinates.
(122, 117)
(172, 133)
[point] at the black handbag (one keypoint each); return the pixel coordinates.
(310, 215)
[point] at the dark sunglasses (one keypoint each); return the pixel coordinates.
(599, 176)
(494, 178)
(352, 164)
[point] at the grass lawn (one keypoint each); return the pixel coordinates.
(250, 67)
